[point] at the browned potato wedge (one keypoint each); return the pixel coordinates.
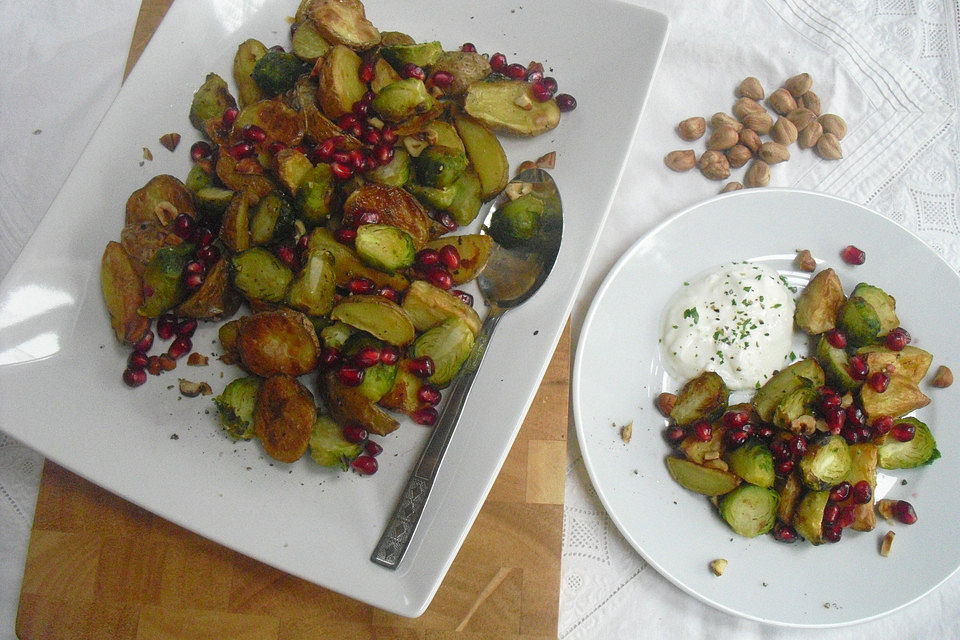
(377, 316)
(383, 74)
(474, 250)
(901, 397)
(229, 333)
(339, 83)
(123, 294)
(215, 298)
(316, 125)
(254, 185)
(160, 200)
(243, 63)
(343, 22)
(509, 106)
(282, 417)
(466, 67)
(912, 362)
(486, 153)
(347, 264)
(427, 306)
(274, 342)
(402, 396)
(390, 38)
(142, 239)
(278, 121)
(348, 404)
(821, 299)
(443, 134)
(397, 208)
(863, 466)
(235, 227)
(292, 165)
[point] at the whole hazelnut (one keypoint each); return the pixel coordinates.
(810, 134)
(721, 119)
(731, 186)
(774, 153)
(722, 138)
(811, 101)
(750, 88)
(798, 84)
(759, 121)
(784, 131)
(692, 128)
(750, 139)
(714, 165)
(738, 155)
(782, 101)
(743, 106)
(681, 160)
(828, 146)
(834, 124)
(801, 117)
(758, 175)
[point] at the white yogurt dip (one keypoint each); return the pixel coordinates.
(736, 321)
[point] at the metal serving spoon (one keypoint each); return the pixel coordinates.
(510, 278)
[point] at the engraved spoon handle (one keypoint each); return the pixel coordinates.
(403, 523)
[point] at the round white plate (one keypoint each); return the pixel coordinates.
(618, 373)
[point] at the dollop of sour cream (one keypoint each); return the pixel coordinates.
(736, 321)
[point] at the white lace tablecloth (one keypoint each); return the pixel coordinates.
(890, 67)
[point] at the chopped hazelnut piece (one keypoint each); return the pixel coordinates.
(943, 378)
(718, 566)
(886, 543)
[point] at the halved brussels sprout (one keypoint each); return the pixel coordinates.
(789, 488)
(253, 185)
(260, 275)
(422, 54)
(466, 198)
(214, 298)
(276, 72)
(272, 220)
(750, 510)
(307, 43)
(347, 264)
(383, 74)
(883, 304)
(279, 122)
(243, 64)
(403, 396)
(825, 463)
(198, 178)
(808, 518)
(818, 304)
(427, 306)
(274, 342)
(395, 173)
(922, 449)
(313, 289)
(448, 345)
(858, 320)
(700, 479)
(796, 404)
(509, 105)
(213, 201)
(328, 447)
(806, 372)
(402, 100)
(517, 221)
(339, 83)
(397, 208)
(336, 334)
(235, 225)
(754, 463)
(377, 316)
(439, 166)
(315, 194)
(704, 397)
(163, 286)
(349, 404)
(122, 293)
(384, 247)
(283, 417)
(434, 197)
(210, 101)
(236, 405)
(160, 200)
(443, 134)
(836, 366)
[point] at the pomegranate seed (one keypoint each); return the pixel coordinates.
(835, 418)
(208, 255)
(144, 343)
(421, 367)
(329, 356)
(840, 492)
(200, 150)
(426, 416)
(764, 433)
(179, 347)
(798, 446)
(287, 255)
(359, 109)
(702, 430)
(347, 120)
(345, 236)
(350, 376)
(186, 328)
(674, 435)
(137, 360)
(195, 268)
(463, 296)
(903, 432)
(540, 92)
(371, 136)
(367, 97)
(734, 438)
(326, 148)
(878, 381)
(498, 62)
(904, 512)
(383, 152)
(836, 339)
(515, 71)
(389, 355)
(154, 366)
(360, 286)
(354, 433)
(242, 150)
(193, 281)
(183, 225)
(450, 257)
(468, 47)
(832, 534)
(275, 147)
(372, 448)
(566, 102)
(785, 533)
(428, 394)
(229, 117)
(203, 237)
(341, 171)
(850, 434)
(784, 467)
(550, 83)
(882, 425)
(389, 293)
(366, 72)
(442, 79)
(858, 368)
(897, 339)
(357, 159)
(365, 465)
(166, 326)
(861, 492)
(830, 513)
(534, 75)
(851, 255)
(388, 135)
(865, 433)
(366, 357)
(735, 419)
(134, 377)
(447, 220)
(427, 257)
(780, 450)
(253, 133)
(440, 278)
(411, 70)
(848, 514)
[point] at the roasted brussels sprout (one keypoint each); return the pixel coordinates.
(801, 373)
(314, 288)
(825, 463)
(272, 220)
(486, 154)
(276, 342)
(439, 166)
(920, 450)
(797, 403)
(307, 43)
(858, 321)
(377, 316)
(384, 247)
(244, 62)
(315, 194)
(882, 303)
(283, 417)
(215, 298)
(702, 398)
(336, 334)
(349, 404)
(395, 173)
(448, 345)
(235, 225)
(466, 198)
(212, 201)
(427, 306)
(700, 479)
(236, 405)
(754, 463)
(123, 294)
(434, 197)
(339, 85)
(402, 100)
(750, 510)
(818, 304)
(397, 208)
(422, 54)
(163, 286)
(292, 166)
(347, 264)
(276, 72)
(808, 518)
(517, 221)
(210, 101)
(836, 366)
(278, 121)
(260, 275)
(328, 447)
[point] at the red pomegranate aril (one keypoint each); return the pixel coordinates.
(840, 492)
(388, 134)
(366, 357)
(440, 278)
(144, 343)
(498, 62)
(858, 368)
(276, 147)
(366, 72)
(566, 102)
(360, 286)
(780, 450)
(784, 467)
(836, 339)
(179, 347)
(832, 534)
(550, 83)
(186, 328)
(389, 293)
(848, 514)
(372, 448)
(357, 159)
(785, 533)
(903, 432)
(183, 225)
(166, 326)
(354, 433)
(154, 366)
(515, 71)
(427, 257)
(904, 512)
(193, 280)
(798, 446)
(371, 136)
(287, 255)
(350, 376)
(253, 133)
(734, 438)
(702, 430)
(389, 355)
(329, 356)
(865, 433)
(345, 236)
(428, 394)
(426, 416)
(341, 171)
(208, 255)
(447, 220)
(861, 492)
(383, 152)
(674, 435)
(421, 367)
(534, 75)
(735, 419)
(134, 377)
(203, 237)
(855, 416)
(242, 150)
(411, 70)
(897, 339)
(365, 465)
(326, 148)
(830, 513)
(882, 425)
(764, 432)
(850, 434)
(835, 417)
(200, 150)
(468, 47)
(878, 381)
(852, 255)
(540, 91)
(229, 117)
(137, 360)
(450, 257)
(347, 120)
(442, 79)
(463, 296)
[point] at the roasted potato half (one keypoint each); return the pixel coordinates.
(160, 200)
(283, 416)
(277, 342)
